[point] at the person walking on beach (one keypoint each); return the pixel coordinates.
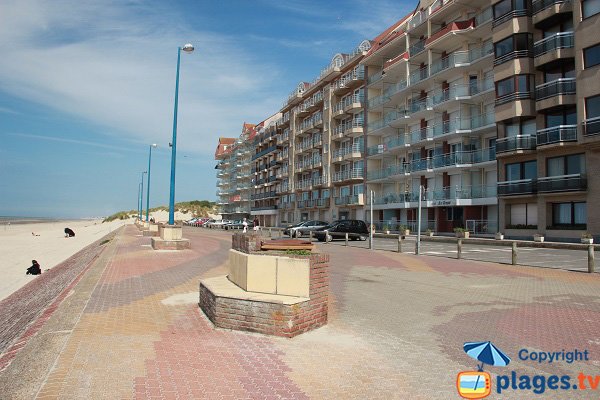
(256, 223)
(245, 224)
(35, 268)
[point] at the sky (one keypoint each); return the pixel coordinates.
(86, 86)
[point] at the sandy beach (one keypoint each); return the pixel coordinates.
(49, 247)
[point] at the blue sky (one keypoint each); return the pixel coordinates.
(86, 86)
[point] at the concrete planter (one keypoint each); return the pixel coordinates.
(587, 240)
(462, 235)
(538, 238)
(499, 236)
(430, 234)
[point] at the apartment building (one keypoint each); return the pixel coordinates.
(430, 113)
(547, 79)
(322, 142)
(265, 165)
(490, 110)
(234, 184)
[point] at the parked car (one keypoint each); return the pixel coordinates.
(191, 221)
(238, 225)
(302, 229)
(207, 223)
(201, 221)
(356, 229)
(218, 224)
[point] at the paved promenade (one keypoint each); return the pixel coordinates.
(126, 325)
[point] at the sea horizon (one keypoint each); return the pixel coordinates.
(19, 220)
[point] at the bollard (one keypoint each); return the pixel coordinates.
(459, 249)
(591, 261)
(399, 243)
(310, 235)
(279, 234)
(326, 236)
(270, 233)
(346, 242)
(514, 253)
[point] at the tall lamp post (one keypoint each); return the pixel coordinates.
(142, 195)
(148, 188)
(188, 48)
(139, 203)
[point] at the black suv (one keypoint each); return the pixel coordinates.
(356, 230)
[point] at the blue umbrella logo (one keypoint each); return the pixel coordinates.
(487, 353)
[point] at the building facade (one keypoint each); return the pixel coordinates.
(430, 111)
(490, 111)
(234, 180)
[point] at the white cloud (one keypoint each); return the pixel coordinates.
(114, 63)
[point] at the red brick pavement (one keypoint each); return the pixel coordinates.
(396, 327)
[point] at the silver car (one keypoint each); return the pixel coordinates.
(303, 228)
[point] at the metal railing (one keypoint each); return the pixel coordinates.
(518, 142)
(562, 183)
(354, 173)
(516, 187)
(539, 5)
(560, 40)
(557, 134)
(561, 86)
(591, 126)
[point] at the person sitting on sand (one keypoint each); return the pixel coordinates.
(35, 234)
(69, 233)
(35, 268)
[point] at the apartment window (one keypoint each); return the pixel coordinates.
(523, 215)
(520, 128)
(589, 8)
(566, 165)
(358, 189)
(591, 56)
(558, 118)
(325, 193)
(514, 88)
(521, 170)
(514, 46)
(571, 214)
(505, 7)
(566, 70)
(592, 107)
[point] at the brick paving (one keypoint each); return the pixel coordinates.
(396, 327)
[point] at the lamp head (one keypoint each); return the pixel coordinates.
(188, 48)
(154, 145)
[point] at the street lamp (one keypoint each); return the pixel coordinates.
(188, 48)
(142, 195)
(148, 189)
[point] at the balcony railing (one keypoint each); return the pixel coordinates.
(263, 152)
(561, 86)
(560, 40)
(517, 187)
(263, 208)
(562, 183)
(539, 5)
(591, 126)
(514, 96)
(510, 15)
(351, 200)
(557, 134)
(354, 173)
(513, 55)
(322, 202)
(513, 143)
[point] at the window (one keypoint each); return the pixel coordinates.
(592, 107)
(558, 118)
(522, 170)
(514, 87)
(506, 6)
(591, 56)
(565, 70)
(566, 165)
(571, 214)
(589, 8)
(520, 128)
(523, 214)
(512, 44)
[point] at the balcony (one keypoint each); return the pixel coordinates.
(354, 173)
(515, 143)
(416, 48)
(319, 180)
(352, 200)
(322, 203)
(562, 183)
(514, 96)
(558, 87)
(591, 126)
(556, 135)
(517, 187)
(264, 208)
(547, 11)
(510, 15)
(549, 49)
(263, 152)
(397, 169)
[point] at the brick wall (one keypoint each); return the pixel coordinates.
(271, 318)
